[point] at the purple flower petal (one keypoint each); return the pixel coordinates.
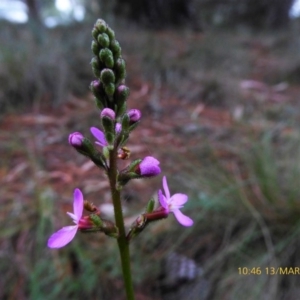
(74, 217)
(178, 199)
(183, 219)
(166, 188)
(99, 135)
(62, 237)
(149, 166)
(78, 204)
(66, 234)
(162, 200)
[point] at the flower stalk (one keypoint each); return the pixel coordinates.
(116, 124)
(123, 243)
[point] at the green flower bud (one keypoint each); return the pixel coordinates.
(95, 33)
(95, 47)
(107, 76)
(109, 89)
(106, 56)
(108, 125)
(101, 25)
(97, 89)
(103, 40)
(115, 48)
(96, 220)
(110, 33)
(99, 103)
(110, 137)
(125, 122)
(121, 94)
(120, 69)
(150, 206)
(95, 66)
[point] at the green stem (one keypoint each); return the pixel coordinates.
(122, 241)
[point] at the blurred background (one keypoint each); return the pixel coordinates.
(218, 85)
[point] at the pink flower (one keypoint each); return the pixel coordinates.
(65, 235)
(149, 166)
(109, 113)
(174, 204)
(100, 136)
(134, 115)
(76, 139)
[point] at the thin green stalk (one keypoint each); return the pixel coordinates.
(122, 241)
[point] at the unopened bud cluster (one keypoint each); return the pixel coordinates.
(109, 68)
